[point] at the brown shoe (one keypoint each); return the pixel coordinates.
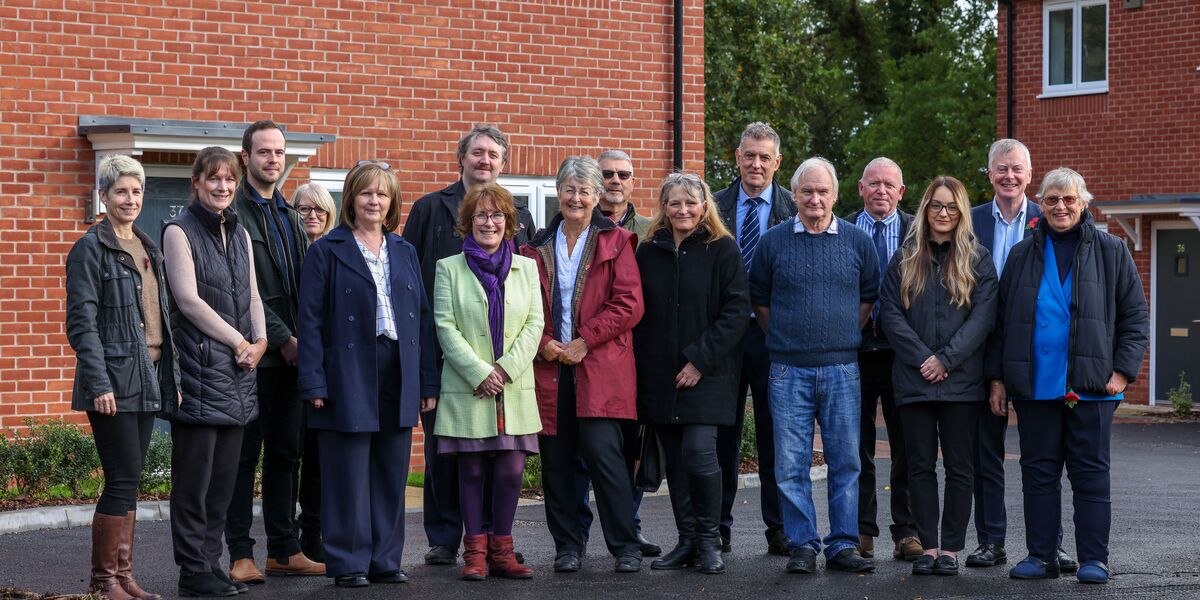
(503, 561)
(107, 533)
(125, 561)
(866, 546)
(296, 564)
(475, 550)
(908, 549)
(243, 571)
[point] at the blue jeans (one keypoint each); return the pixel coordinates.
(830, 395)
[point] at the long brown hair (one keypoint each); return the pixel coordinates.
(916, 261)
(698, 189)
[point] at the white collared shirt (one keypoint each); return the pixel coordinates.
(798, 226)
(566, 267)
(385, 317)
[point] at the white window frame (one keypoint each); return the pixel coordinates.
(537, 189)
(331, 179)
(1077, 87)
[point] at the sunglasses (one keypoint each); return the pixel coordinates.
(624, 175)
(378, 163)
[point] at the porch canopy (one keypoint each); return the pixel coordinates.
(1128, 213)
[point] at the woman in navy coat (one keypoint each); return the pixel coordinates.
(367, 367)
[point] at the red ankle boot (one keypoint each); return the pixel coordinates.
(503, 561)
(475, 556)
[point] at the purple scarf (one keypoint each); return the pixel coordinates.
(491, 270)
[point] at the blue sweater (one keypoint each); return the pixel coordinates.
(814, 285)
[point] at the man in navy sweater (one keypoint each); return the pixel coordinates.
(813, 282)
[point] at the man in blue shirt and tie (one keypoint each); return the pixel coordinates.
(753, 204)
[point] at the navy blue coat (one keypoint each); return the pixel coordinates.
(985, 224)
(336, 334)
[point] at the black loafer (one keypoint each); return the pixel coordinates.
(646, 547)
(1066, 564)
(923, 565)
(628, 563)
(803, 561)
(778, 543)
(850, 561)
(397, 576)
(441, 555)
(567, 562)
(987, 555)
(945, 565)
(237, 585)
(204, 585)
(351, 580)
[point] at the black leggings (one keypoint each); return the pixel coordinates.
(121, 442)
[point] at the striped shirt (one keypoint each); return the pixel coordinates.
(385, 317)
(891, 230)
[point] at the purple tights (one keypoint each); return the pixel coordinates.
(505, 468)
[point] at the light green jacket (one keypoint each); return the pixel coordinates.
(461, 312)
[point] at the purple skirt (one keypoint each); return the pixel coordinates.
(498, 443)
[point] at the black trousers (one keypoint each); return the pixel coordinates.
(600, 442)
(121, 441)
(876, 370)
(954, 425)
(308, 522)
(756, 364)
(691, 452)
(991, 519)
(1052, 436)
(278, 432)
(203, 472)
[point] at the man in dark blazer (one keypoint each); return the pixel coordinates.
(999, 225)
(881, 188)
(753, 204)
(431, 229)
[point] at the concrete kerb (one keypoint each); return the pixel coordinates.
(79, 515)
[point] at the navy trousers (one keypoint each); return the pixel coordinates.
(1054, 436)
(876, 370)
(991, 520)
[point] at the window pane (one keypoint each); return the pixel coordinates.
(1060, 47)
(551, 208)
(1095, 42)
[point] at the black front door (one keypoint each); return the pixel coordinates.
(1177, 330)
(163, 199)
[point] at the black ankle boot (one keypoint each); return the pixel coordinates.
(683, 556)
(706, 506)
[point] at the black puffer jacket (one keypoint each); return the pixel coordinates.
(933, 326)
(1110, 322)
(697, 309)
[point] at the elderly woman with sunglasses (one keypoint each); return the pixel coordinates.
(367, 367)
(1070, 337)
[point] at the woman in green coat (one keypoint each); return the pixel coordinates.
(489, 322)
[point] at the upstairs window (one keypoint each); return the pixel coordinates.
(1074, 47)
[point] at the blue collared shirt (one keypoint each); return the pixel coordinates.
(743, 207)
(566, 266)
(798, 226)
(891, 229)
(1006, 234)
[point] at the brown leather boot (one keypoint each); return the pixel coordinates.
(475, 549)
(296, 564)
(107, 532)
(125, 561)
(243, 571)
(503, 560)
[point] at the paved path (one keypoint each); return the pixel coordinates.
(1155, 536)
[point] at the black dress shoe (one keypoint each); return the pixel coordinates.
(441, 555)
(803, 561)
(351, 580)
(223, 576)
(397, 576)
(204, 585)
(567, 562)
(945, 565)
(850, 561)
(923, 565)
(1066, 564)
(520, 557)
(987, 555)
(646, 547)
(628, 563)
(778, 543)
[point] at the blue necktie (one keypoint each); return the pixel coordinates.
(880, 239)
(748, 240)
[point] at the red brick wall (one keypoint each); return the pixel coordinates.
(398, 81)
(1140, 136)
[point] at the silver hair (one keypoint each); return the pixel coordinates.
(815, 162)
(1001, 147)
(614, 155)
(321, 197)
(1065, 179)
(583, 169)
(882, 161)
(115, 167)
(760, 131)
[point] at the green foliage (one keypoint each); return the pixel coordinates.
(416, 480)
(1181, 396)
(156, 469)
(531, 479)
(749, 448)
(7, 463)
(53, 454)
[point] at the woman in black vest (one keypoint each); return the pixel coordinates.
(125, 371)
(220, 334)
(689, 358)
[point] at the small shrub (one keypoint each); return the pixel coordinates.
(749, 449)
(531, 479)
(6, 464)
(156, 469)
(72, 453)
(1181, 396)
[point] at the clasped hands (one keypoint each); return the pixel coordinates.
(933, 370)
(571, 353)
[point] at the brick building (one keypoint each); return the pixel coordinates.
(1111, 88)
(395, 81)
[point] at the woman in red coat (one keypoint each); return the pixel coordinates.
(584, 372)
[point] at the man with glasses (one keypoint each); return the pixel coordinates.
(431, 228)
(617, 169)
(1009, 218)
(753, 204)
(881, 189)
(279, 242)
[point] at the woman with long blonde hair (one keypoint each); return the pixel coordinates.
(937, 307)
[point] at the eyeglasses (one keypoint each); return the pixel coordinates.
(1054, 200)
(935, 208)
(378, 163)
(307, 210)
(481, 218)
(624, 175)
